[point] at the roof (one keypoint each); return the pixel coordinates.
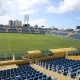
(78, 27)
(34, 52)
(62, 50)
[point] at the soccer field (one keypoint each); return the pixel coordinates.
(18, 43)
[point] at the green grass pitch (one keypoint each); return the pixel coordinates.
(23, 42)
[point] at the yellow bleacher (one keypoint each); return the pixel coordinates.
(63, 51)
(73, 57)
(34, 54)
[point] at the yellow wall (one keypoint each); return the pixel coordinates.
(34, 54)
(59, 53)
(62, 51)
(33, 60)
(14, 62)
(73, 57)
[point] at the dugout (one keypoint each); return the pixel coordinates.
(34, 54)
(63, 51)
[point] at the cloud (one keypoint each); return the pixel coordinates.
(18, 6)
(25, 4)
(32, 11)
(4, 19)
(39, 22)
(65, 6)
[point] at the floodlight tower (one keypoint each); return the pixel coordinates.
(26, 19)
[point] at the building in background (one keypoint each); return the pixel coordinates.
(78, 28)
(69, 30)
(11, 23)
(15, 23)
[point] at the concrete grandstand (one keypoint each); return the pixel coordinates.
(57, 66)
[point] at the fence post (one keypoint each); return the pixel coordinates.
(48, 66)
(69, 74)
(78, 74)
(57, 68)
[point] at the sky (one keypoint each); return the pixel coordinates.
(57, 13)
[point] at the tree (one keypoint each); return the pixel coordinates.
(26, 25)
(42, 26)
(36, 26)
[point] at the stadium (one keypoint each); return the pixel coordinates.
(38, 53)
(38, 56)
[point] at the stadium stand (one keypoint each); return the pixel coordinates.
(62, 66)
(23, 29)
(75, 36)
(59, 33)
(13, 30)
(32, 30)
(36, 67)
(41, 30)
(23, 72)
(3, 67)
(2, 30)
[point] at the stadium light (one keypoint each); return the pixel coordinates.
(26, 18)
